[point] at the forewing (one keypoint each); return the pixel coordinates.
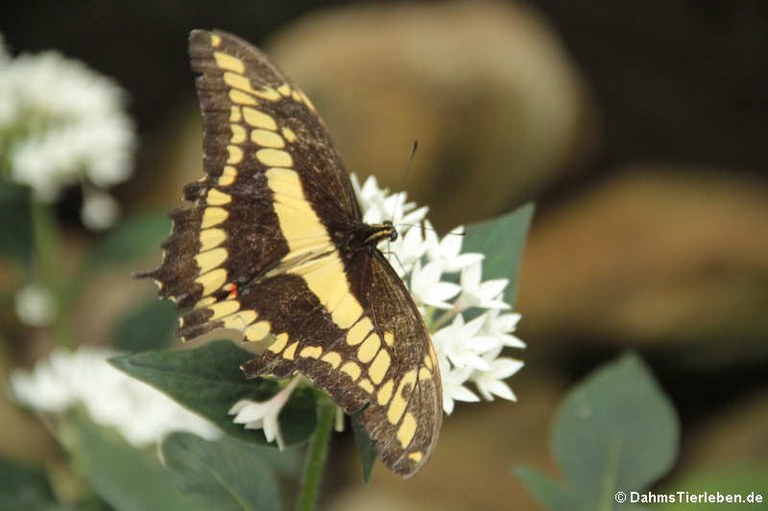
(264, 148)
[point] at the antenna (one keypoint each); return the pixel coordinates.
(404, 177)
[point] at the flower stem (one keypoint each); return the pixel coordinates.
(46, 237)
(316, 455)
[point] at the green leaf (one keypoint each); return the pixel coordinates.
(24, 487)
(364, 447)
(615, 431)
(16, 239)
(208, 380)
(149, 326)
(502, 240)
(744, 479)
(131, 239)
(223, 475)
(121, 474)
(545, 491)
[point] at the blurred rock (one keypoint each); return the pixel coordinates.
(652, 255)
(737, 435)
(486, 88)
(472, 467)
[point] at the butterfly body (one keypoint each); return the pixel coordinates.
(274, 246)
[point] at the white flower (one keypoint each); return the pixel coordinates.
(502, 325)
(454, 388)
(491, 381)
(62, 124)
(468, 352)
(476, 293)
(35, 305)
(264, 414)
(427, 288)
(100, 210)
(142, 414)
(464, 343)
(448, 250)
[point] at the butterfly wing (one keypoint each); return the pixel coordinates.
(268, 248)
(382, 364)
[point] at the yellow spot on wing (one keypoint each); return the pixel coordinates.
(240, 321)
(213, 216)
(205, 302)
(241, 98)
(224, 308)
(241, 82)
(385, 393)
(281, 341)
(289, 135)
(238, 133)
(397, 405)
(257, 331)
(235, 154)
(284, 89)
(290, 351)
(298, 221)
(359, 331)
(332, 358)
(266, 138)
(259, 119)
(369, 348)
(215, 40)
(416, 456)
(425, 374)
(235, 115)
(352, 369)
(389, 339)
(210, 259)
(347, 312)
(211, 238)
(228, 62)
(366, 385)
(274, 158)
(212, 280)
(406, 430)
(227, 176)
(217, 198)
(311, 352)
(379, 366)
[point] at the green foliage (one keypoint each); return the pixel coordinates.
(120, 474)
(502, 240)
(16, 234)
(364, 446)
(616, 431)
(24, 487)
(148, 326)
(207, 380)
(132, 238)
(226, 475)
(742, 479)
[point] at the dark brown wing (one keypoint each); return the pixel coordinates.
(383, 363)
(254, 119)
(268, 247)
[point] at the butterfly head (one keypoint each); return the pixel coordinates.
(379, 232)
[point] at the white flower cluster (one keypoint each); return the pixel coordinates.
(142, 414)
(446, 284)
(62, 124)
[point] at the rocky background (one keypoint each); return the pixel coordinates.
(638, 128)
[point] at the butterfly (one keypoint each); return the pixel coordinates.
(274, 246)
